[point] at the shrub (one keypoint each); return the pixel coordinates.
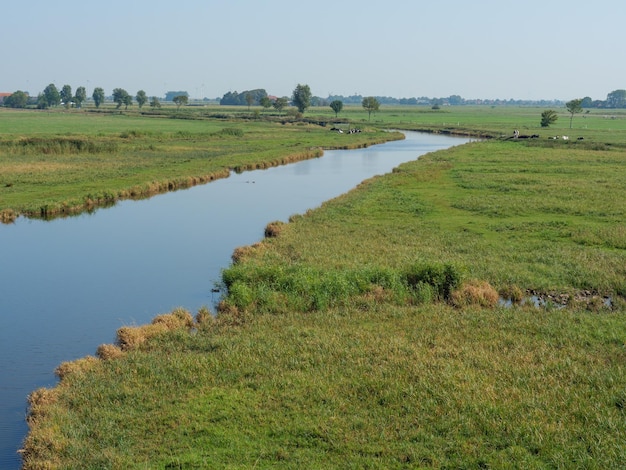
(443, 278)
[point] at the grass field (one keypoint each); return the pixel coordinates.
(56, 163)
(368, 333)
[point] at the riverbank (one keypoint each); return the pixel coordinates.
(59, 164)
(366, 331)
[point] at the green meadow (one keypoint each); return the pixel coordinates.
(59, 163)
(464, 311)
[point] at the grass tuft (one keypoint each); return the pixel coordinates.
(109, 352)
(79, 366)
(475, 293)
(273, 229)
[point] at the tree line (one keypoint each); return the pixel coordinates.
(301, 98)
(51, 96)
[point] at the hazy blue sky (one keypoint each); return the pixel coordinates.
(527, 49)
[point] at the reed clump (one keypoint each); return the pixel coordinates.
(39, 401)
(7, 216)
(273, 229)
(108, 352)
(513, 293)
(79, 366)
(243, 252)
(475, 293)
(132, 337)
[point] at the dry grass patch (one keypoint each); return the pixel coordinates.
(7, 216)
(474, 292)
(131, 337)
(78, 366)
(109, 351)
(242, 252)
(273, 229)
(39, 401)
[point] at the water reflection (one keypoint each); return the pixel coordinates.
(68, 284)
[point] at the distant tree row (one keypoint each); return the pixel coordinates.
(615, 99)
(245, 98)
(52, 96)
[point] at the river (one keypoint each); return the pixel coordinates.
(67, 285)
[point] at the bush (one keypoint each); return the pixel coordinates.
(443, 278)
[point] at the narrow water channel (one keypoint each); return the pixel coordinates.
(67, 285)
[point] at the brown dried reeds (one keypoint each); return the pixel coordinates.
(273, 229)
(7, 216)
(109, 351)
(39, 401)
(242, 252)
(204, 317)
(78, 366)
(178, 318)
(474, 292)
(131, 337)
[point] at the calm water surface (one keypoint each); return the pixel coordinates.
(67, 285)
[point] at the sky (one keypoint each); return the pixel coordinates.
(481, 49)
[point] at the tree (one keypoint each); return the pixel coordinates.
(170, 95)
(141, 98)
(128, 100)
(42, 103)
(19, 99)
(66, 95)
(371, 105)
(51, 96)
(266, 102)
(120, 96)
(548, 117)
(337, 106)
(280, 103)
(232, 98)
(180, 100)
(587, 102)
(301, 97)
(155, 103)
(616, 99)
(573, 107)
(455, 100)
(249, 100)
(98, 96)
(80, 97)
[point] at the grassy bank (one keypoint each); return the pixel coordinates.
(367, 333)
(62, 163)
(536, 217)
(378, 387)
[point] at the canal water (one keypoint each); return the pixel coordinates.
(67, 285)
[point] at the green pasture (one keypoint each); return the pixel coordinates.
(367, 333)
(369, 386)
(54, 163)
